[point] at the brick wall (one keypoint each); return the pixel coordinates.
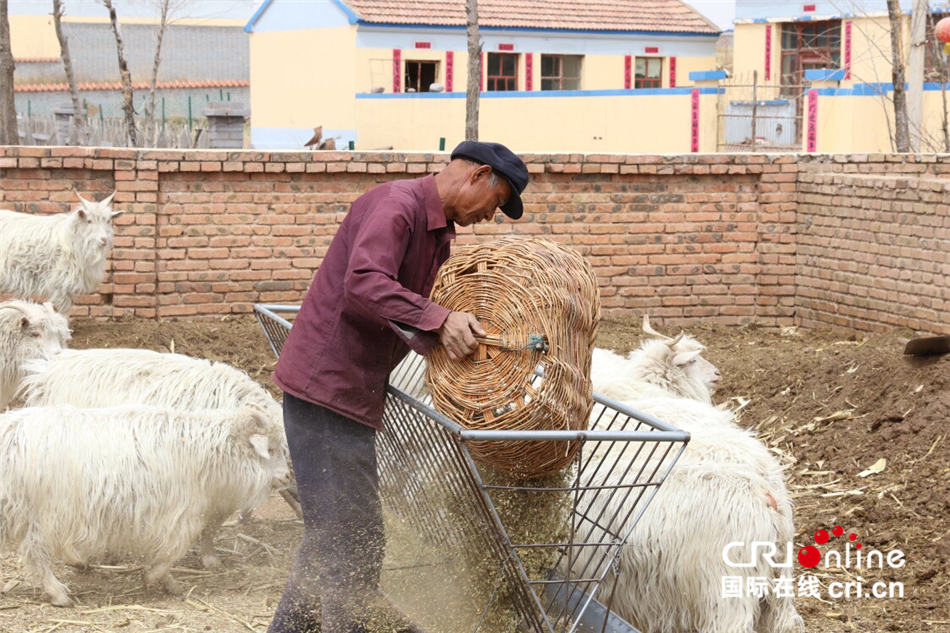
(874, 242)
(687, 238)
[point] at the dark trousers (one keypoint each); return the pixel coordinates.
(335, 575)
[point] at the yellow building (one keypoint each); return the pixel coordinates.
(824, 71)
(566, 76)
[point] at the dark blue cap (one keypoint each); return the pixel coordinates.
(504, 163)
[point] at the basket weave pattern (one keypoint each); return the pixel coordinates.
(528, 293)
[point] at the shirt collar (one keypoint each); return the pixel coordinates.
(435, 214)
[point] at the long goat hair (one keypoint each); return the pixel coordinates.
(725, 487)
(80, 485)
(109, 377)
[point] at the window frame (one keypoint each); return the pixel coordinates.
(510, 81)
(560, 78)
(808, 53)
(647, 82)
(419, 62)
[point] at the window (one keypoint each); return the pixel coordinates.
(560, 72)
(420, 75)
(807, 46)
(647, 71)
(502, 71)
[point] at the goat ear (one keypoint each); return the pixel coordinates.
(116, 214)
(81, 212)
(685, 357)
(260, 444)
(108, 201)
(24, 323)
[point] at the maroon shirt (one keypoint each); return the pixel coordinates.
(375, 276)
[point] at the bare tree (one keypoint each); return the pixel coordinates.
(8, 130)
(167, 9)
(915, 72)
(898, 72)
(474, 71)
(127, 106)
(78, 120)
(890, 47)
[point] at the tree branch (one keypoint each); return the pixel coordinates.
(78, 121)
(127, 105)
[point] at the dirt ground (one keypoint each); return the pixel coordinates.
(830, 406)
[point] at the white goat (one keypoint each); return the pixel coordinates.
(56, 257)
(726, 487)
(28, 331)
(661, 364)
(112, 377)
(79, 485)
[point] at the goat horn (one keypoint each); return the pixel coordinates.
(10, 305)
(649, 330)
(673, 341)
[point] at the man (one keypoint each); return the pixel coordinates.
(366, 307)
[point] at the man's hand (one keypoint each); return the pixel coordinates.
(458, 333)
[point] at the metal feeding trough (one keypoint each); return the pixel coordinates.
(471, 549)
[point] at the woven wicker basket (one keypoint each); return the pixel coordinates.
(539, 304)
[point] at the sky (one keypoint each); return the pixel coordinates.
(235, 9)
(722, 12)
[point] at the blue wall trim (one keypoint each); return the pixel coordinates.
(412, 95)
(350, 15)
(294, 138)
(353, 18)
(707, 75)
(859, 90)
(764, 11)
(801, 18)
(249, 27)
(532, 29)
(771, 102)
(870, 90)
(543, 94)
(824, 74)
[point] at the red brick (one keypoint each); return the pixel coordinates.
(689, 237)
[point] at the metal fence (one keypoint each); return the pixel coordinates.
(756, 117)
(472, 549)
(111, 132)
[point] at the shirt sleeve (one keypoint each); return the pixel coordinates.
(371, 283)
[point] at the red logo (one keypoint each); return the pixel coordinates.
(809, 556)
